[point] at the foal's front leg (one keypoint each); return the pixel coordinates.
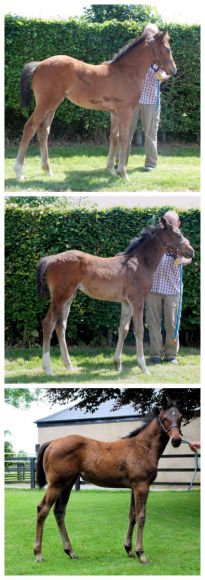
(114, 140)
(137, 314)
(122, 333)
(140, 497)
(125, 118)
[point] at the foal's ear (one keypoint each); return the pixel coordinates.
(155, 410)
(164, 221)
(168, 402)
(164, 34)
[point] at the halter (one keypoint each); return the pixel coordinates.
(173, 251)
(174, 426)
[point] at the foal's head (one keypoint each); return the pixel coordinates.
(170, 422)
(174, 241)
(162, 54)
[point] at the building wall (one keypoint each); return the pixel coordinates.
(110, 431)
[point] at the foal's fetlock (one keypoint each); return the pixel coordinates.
(111, 170)
(71, 554)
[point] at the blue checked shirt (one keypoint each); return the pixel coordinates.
(166, 278)
(150, 94)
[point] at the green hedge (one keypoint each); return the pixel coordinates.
(27, 40)
(35, 232)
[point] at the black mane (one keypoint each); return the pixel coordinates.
(139, 429)
(127, 48)
(146, 234)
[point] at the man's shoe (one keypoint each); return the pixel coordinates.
(156, 360)
(173, 361)
(149, 168)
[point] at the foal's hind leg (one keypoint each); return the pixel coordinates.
(132, 521)
(114, 139)
(49, 323)
(123, 331)
(29, 131)
(59, 512)
(43, 509)
(42, 134)
(61, 330)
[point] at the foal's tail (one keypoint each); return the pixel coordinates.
(40, 277)
(25, 85)
(40, 473)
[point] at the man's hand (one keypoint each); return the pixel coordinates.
(161, 75)
(194, 445)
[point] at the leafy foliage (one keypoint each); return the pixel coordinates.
(143, 400)
(21, 397)
(33, 232)
(95, 42)
(121, 12)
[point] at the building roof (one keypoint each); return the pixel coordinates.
(104, 412)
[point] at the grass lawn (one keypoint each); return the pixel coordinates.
(82, 167)
(96, 364)
(97, 523)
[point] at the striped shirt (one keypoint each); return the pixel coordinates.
(166, 278)
(150, 89)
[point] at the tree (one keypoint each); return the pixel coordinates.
(143, 399)
(8, 449)
(36, 201)
(121, 12)
(21, 397)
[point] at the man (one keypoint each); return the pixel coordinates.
(163, 303)
(148, 110)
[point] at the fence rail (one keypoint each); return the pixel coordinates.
(22, 471)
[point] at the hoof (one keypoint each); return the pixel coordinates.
(146, 372)
(72, 369)
(18, 168)
(71, 554)
(47, 371)
(112, 171)
(129, 551)
(39, 558)
(48, 171)
(142, 558)
(118, 368)
(123, 175)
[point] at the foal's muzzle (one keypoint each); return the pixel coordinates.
(176, 441)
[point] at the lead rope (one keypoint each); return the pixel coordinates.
(179, 310)
(197, 468)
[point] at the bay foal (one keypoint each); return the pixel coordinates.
(113, 86)
(125, 278)
(130, 462)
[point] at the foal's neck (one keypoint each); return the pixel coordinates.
(151, 252)
(139, 58)
(154, 439)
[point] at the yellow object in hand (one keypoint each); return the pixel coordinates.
(160, 75)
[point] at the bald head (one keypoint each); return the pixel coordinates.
(151, 29)
(172, 218)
